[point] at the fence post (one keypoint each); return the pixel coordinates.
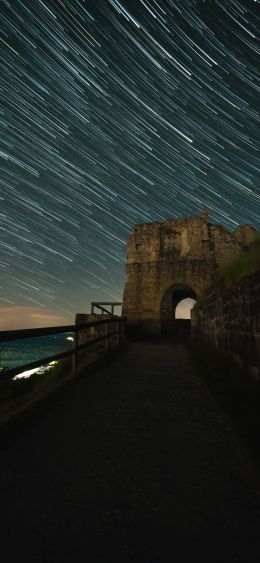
(117, 333)
(75, 355)
(122, 330)
(107, 335)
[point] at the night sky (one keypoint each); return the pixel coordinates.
(116, 113)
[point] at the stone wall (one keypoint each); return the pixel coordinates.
(165, 259)
(90, 333)
(229, 319)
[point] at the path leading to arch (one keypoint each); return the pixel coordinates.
(132, 464)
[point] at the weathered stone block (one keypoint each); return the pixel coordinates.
(229, 318)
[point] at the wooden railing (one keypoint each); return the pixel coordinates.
(100, 305)
(11, 335)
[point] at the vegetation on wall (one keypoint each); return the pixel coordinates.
(243, 265)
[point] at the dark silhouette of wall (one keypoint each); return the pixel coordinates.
(229, 318)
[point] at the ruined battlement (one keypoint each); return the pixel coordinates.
(177, 255)
(194, 238)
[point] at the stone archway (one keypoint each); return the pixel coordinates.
(178, 251)
(171, 298)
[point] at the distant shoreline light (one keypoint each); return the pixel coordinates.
(29, 372)
(41, 370)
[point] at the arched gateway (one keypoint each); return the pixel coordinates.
(169, 261)
(173, 296)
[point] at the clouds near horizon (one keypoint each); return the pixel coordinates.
(13, 317)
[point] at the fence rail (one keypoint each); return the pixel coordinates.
(100, 306)
(9, 335)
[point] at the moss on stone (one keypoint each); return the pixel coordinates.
(242, 265)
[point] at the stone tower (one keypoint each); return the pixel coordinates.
(167, 262)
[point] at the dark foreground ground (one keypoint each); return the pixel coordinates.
(132, 464)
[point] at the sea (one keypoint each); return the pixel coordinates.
(17, 353)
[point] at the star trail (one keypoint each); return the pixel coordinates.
(115, 113)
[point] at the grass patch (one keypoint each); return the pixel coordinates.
(244, 264)
(236, 393)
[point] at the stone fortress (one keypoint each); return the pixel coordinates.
(170, 261)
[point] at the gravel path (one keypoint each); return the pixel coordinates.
(132, 464)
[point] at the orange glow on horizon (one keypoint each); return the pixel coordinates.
(19, 317)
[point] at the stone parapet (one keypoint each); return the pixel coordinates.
(229, 319)
(90, 333)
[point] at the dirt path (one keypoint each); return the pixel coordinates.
(132, 464)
